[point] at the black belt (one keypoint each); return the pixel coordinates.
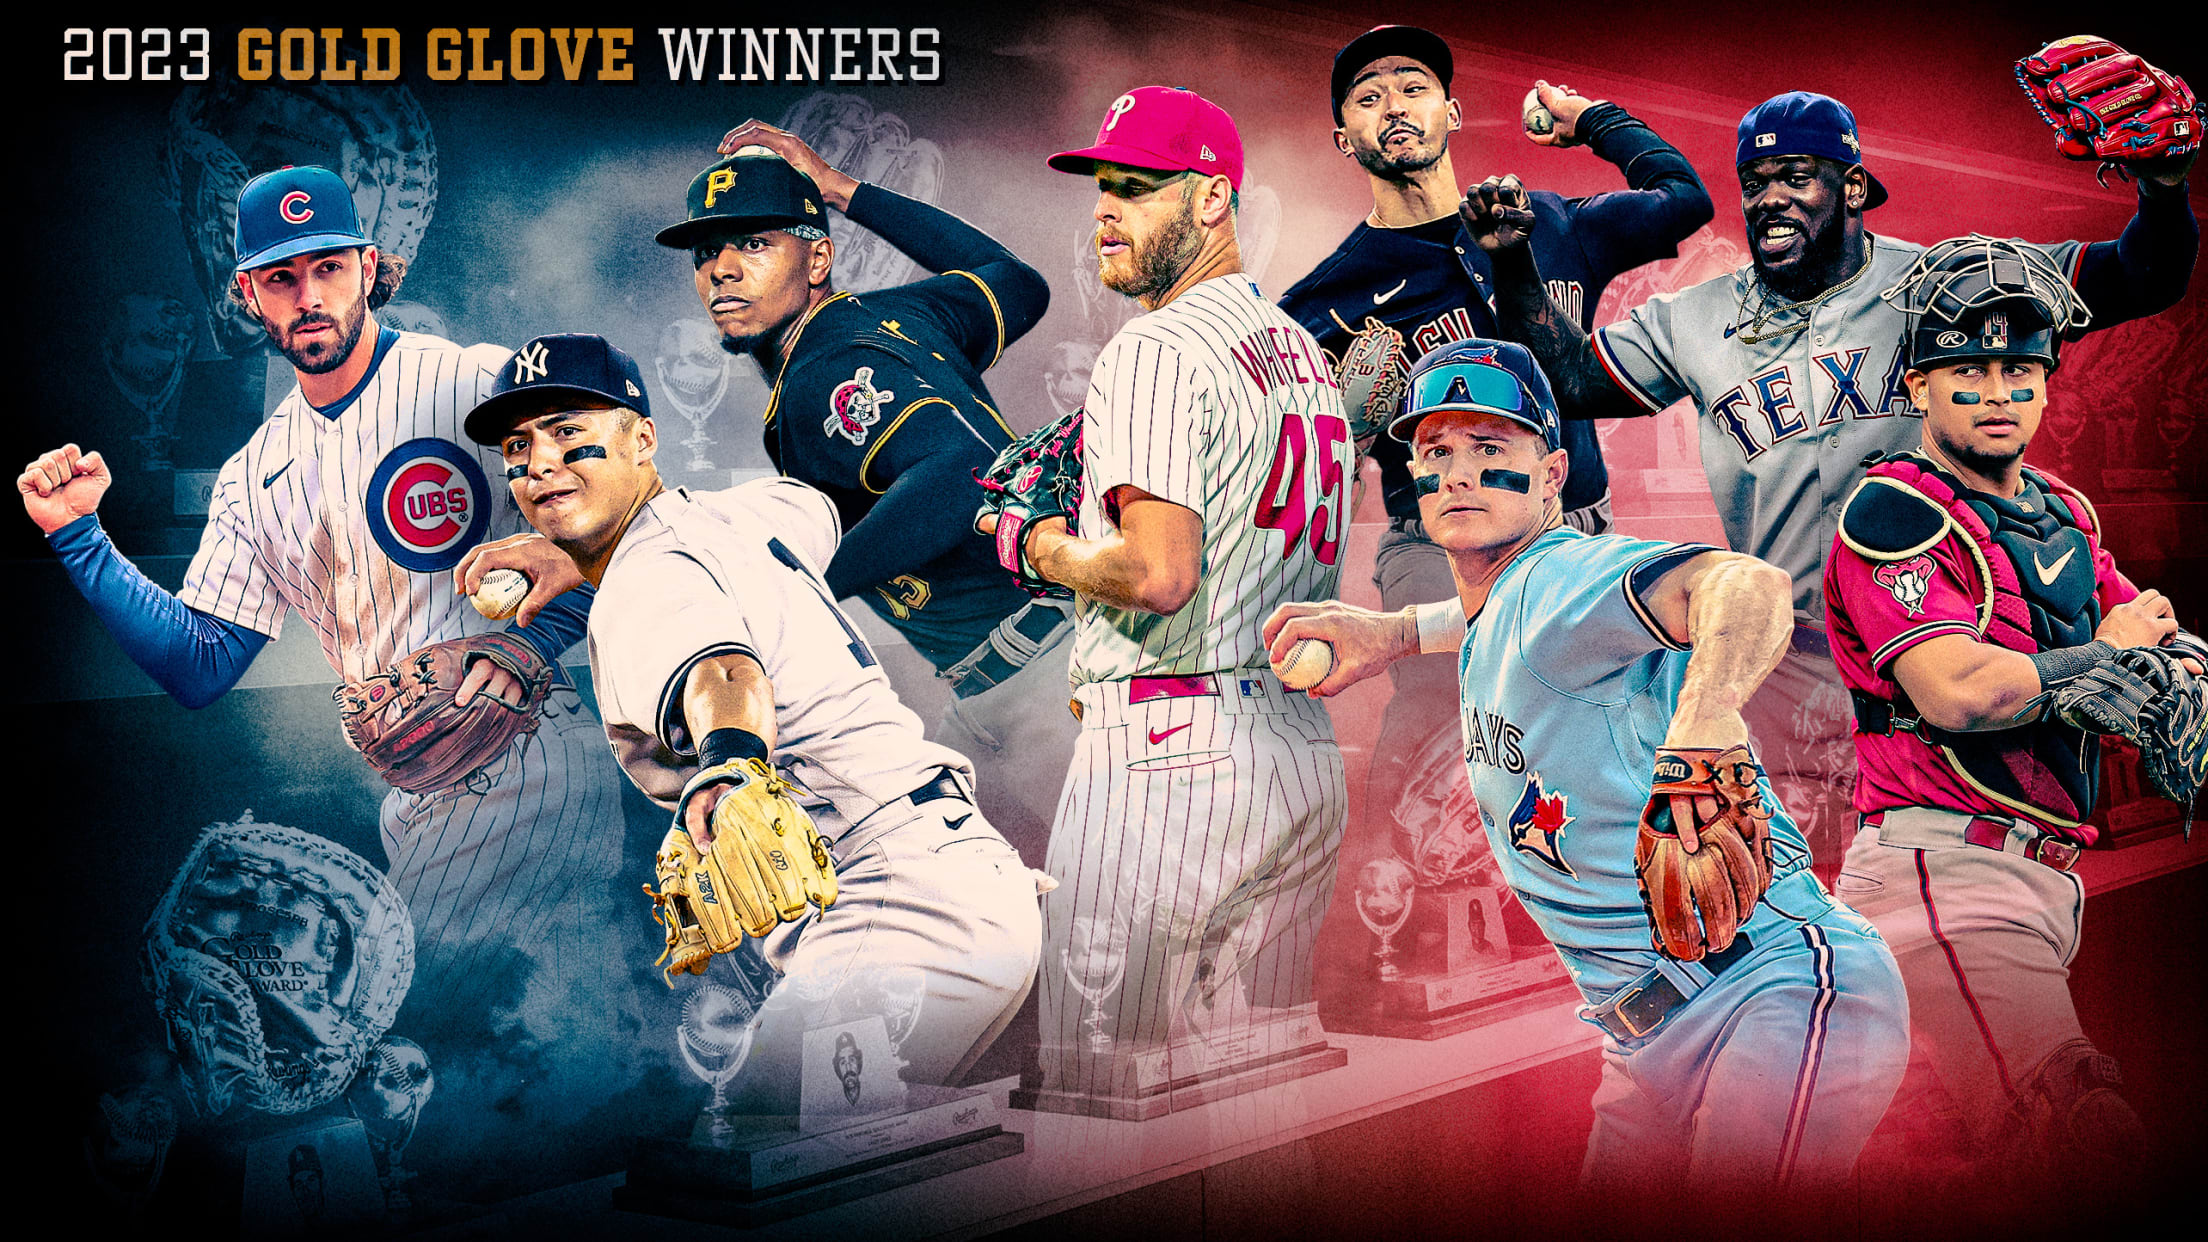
(1033, 624)
(1638, 1008)
(943, 786)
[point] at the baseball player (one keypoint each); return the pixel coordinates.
(1960, 586)
(714, 639)
(1756, 1050)
(1794, 364)
(1410, 270)
(1197, 834)
(877, 400)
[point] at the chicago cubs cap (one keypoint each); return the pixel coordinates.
(1423, 46)
(295, 211)
(1164, 128)
(756, 190)
(1480, 377)
(1803, 123)
(567, 369)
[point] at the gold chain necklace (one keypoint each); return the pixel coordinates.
(1751, 331)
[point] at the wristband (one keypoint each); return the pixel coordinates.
(1440, 625)
(2065, 663)
(728, 745)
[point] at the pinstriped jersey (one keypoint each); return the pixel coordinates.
(353, 516)
(1218, 402)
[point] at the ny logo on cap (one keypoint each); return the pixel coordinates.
(1995, 331)
(293, 207)
(529, 364)
(1120, 106)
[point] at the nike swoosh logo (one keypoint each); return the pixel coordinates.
(2048, 573)
(1381, 298)
(271, 479)
(1157, 736)
(955, 824)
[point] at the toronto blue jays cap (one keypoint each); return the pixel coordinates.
(1421, 45)
(570, 370)
(295, 211)
(761, 191)
(1803, 123)
(1481, 377)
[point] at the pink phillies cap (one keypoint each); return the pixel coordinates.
(1164, 128)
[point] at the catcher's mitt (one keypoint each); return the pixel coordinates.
(2145, 696)
(1704, 847)
(1037, 476)
(1372, 372)
(766, 867)
(405, 725)
(2106, 104)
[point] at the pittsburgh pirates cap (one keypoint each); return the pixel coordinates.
(566, 369)
(1421, 45)
(295, 211)
(1166, 128)
(762, 191)
(1804, 123)
(1480, 377)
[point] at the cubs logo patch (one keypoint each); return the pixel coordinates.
(1536, 825)
(1907, 581)
(293, 207)
(855, 406)
(426, 504)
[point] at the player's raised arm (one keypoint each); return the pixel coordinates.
(1500, 220)
(1735, 613)
(1667, 200)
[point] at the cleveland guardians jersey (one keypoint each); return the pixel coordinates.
(354, 515)
(701, 574)
(1218, 403)
(1568, 687)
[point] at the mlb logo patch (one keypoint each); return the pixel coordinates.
(1766, 140)
(1252, 688)
(1995, 332)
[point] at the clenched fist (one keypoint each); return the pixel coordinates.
(62, 486)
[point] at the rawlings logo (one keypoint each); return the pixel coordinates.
(1907, 581)
(855, 406)
(1949, 340)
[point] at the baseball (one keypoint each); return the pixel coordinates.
(1537, 118)
(500, 593)
(1308, 663)
(756, 149)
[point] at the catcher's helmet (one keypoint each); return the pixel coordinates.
(1980, 297)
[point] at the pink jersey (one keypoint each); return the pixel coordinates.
(1876, 610)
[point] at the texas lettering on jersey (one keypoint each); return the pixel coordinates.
(1775, 405)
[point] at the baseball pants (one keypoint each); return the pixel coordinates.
(1195, 848)
(1019, 737)
(935, 929)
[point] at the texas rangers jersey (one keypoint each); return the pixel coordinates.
(1568, 685)
(1219, 403)
(354, 515)
(1787, 421)
(702, 574)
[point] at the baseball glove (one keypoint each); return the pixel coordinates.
(767, 867)
(1037, 476)
(1372, 373)
(404, 723)
(2106, 104)
(2108, 697)
(1704, 847)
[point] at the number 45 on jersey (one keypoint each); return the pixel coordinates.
(1304, 495)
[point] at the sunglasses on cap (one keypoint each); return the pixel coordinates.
(1468, 386)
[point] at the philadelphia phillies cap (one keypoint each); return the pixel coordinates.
(1481, 377)
(570, 370)
(761, 191)
(1165, 128)
(1802, 123)
(1423, 46)
(295, 211)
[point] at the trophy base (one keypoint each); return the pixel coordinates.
(770, 1171)
(1432, 1004)
(1274, 1047)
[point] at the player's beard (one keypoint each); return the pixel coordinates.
(1387, 166)
(1157, 261)
(1984, 465)
(1816, 271)
(322, 356)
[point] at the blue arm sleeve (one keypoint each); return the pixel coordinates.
(193, 656)
(2143, 272)
(1667, 202)
(560, 625)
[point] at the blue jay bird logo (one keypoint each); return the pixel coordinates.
(1537, 824)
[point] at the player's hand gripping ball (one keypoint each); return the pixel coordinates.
(1538, 120)
(1306, 664)
(501, 593)
(766, 866)
(1704, 851)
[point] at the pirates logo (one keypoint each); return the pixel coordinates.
(855, 406)
(425, 504)
(1907, 581)
(1536, 825)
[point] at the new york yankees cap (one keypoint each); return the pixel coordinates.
(1165, 128)
(759, 191)
(1804, 123)
(566, 370)
(295, 211)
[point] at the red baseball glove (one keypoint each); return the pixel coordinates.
(2106, 104)
(405, 724)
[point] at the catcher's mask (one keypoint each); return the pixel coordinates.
(1980, 297)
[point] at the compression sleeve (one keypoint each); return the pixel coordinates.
(560, 624)
(193, 656)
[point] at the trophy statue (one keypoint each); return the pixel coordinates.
(145, 351)
(1386, 889)
(693, 378)
(387, 1097)
(714, 1038)
(1095, 964)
